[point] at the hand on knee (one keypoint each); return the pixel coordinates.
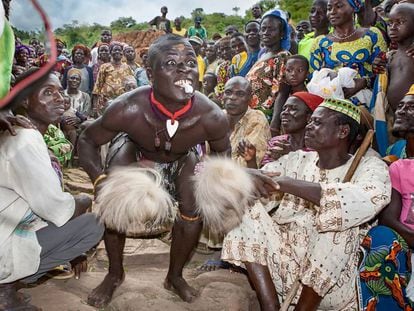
(82, 204)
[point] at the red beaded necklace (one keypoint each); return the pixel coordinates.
(171, 123)
(173, 116)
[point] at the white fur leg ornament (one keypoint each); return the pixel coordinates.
(222, 191)
(132, 198)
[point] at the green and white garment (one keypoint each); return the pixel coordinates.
(6, 53)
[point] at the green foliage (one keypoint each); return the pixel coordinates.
(122, 23)
(266, 5)
(216, 24)
(197, 12)
(236, 10)
(299, 9)
(76, 32)
(24, 35)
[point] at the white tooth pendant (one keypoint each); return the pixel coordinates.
(171, 127)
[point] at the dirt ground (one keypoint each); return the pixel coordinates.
(146, 263)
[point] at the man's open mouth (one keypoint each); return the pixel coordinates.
(186, 84)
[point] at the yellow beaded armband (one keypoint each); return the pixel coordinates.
(187, 218)
(97, 180)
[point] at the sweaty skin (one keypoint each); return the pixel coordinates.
(132, 113)
(400, 66)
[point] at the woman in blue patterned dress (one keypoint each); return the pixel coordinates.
(348, 46)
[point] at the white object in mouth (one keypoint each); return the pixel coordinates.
(186, 84)
(188, 88)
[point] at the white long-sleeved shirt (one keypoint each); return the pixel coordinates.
(30, 195)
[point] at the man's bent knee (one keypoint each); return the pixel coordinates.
(92, 226)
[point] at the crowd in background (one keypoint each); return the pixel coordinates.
(348, 49)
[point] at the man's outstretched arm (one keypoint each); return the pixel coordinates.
(218, 133)
(100, 132)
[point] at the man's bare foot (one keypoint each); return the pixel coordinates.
(102, 295)
(181, 288)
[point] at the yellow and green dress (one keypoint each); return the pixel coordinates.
(6, 54)
(237, 63)
(58, 144)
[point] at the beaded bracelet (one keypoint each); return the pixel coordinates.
(97, 180)
(187, 218)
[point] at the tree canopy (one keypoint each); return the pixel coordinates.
(76, 32)
(299, 10)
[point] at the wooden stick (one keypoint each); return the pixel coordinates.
(354, 165)
(292, 293)
(358, 156)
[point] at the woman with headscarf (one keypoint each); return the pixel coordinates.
(21, 56)
(295, 116)
(251, 32)
(21, 60)
(266, 74)
(109, 83)
(348, 46)
(80, 57)
(79, 101)
(103, 57)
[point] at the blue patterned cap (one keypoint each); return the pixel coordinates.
(356, 4)
(282, 16)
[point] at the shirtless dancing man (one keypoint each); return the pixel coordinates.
(162, 124)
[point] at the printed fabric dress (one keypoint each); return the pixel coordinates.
(358, 54)
(386, 266)
(58, 144)
(110, 84)
(223, 75)
(265, 77)
(385, 271)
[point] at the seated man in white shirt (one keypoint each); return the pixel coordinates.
(40, 225)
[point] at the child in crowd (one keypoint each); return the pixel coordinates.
(297, 71)
(209, 83)
(239, 48)
(71, 121)
(130, 83)
(400, 65)
(69, 128)
(141, 72)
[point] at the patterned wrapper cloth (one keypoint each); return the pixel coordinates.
(384, 272)
(378, 108)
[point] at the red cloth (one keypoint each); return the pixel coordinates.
(82, 47)
(311, 100)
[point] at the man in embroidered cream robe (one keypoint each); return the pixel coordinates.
(315, 232)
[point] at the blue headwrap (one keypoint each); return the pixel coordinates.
(356, 4)
(282, 16)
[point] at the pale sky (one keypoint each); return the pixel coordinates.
(103, 12)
